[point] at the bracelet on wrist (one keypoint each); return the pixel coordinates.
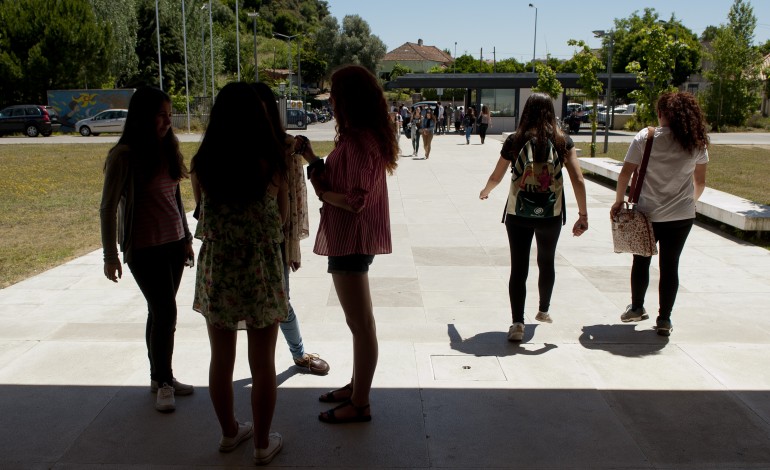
(582, 215)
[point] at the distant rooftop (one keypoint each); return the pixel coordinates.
(410, 51)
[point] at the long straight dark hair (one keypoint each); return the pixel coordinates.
(240, 154)
(538, 121)
(140, 134)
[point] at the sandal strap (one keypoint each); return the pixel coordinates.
(331, 394)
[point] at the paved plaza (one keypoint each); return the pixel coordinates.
(585, 392)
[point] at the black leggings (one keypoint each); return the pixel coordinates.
(157, 271)
(520, 232)
(671, 237)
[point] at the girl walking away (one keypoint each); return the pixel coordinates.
(428, 130)
(536, 152)
(244, 201)
(355, 221)
(674, 179)
(485, 122)
(141, 185)
(416, 124)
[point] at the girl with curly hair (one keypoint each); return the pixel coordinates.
(674, 180)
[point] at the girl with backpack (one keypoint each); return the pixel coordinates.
(536, 154)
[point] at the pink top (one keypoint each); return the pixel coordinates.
(355, 169)
(156, 214)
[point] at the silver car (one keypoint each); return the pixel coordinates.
(111, 120)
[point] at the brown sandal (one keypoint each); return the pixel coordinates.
(333, 396)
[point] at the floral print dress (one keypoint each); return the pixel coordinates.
(239, 279)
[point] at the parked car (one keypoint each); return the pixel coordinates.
(588, 110)
(601, 118)
(296, 119)
(31, 119)
(111, 120)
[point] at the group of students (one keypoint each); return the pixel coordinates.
(252, 212)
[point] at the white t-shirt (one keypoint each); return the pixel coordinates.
(440, 112)
(668, 190)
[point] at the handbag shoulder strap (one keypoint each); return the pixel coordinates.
(638, 178)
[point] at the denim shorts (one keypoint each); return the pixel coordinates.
(350, 264)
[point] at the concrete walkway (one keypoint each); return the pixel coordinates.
(450, 392)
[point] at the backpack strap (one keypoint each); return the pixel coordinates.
(638, 176)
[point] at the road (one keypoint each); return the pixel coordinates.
(326, 131)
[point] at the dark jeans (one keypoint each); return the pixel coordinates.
(158, 272)
(671, 237)
(520, 232)
(483, 131)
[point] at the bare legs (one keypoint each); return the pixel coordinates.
(263, 390)
(355, 298)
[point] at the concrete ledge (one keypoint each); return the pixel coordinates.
(726, 208)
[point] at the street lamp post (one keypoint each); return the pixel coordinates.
(211, 40)
(599, 34)
(186, 79)
(534, 42)
(157, 33)
(238, 39)
(253, 15)
(289, 38)
(203, 59)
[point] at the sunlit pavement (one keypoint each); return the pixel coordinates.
(450, 391)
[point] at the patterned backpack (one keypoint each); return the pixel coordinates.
(537, 188)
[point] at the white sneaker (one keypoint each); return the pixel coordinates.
(228, 444)
(180, 389)
(543, 317)
(516, 332)
(164, 400)
(265, 456)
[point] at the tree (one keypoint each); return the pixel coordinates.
(49, 45)
(588, 67)
(120, 18)
(629, 34)
(399, 70)
(655, 77)
(510, 65)
(172, 49)
(547, 82)
(733, 94)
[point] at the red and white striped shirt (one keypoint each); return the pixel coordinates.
(356, 169)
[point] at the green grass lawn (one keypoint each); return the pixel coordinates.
(50, 194)
(740, 170)
(49, 204)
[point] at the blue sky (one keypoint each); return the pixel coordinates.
(507, 26)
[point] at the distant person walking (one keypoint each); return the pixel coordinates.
(416, 124)
(674, 180)
(142, 209)
(428, 130)
(468, 121)
(485, 121)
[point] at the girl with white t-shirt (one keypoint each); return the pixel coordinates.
(675, 178)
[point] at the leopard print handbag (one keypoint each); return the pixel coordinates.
(631, 229)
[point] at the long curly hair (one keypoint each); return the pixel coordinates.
(148, 155)
(360, 109)
(240, 153)
(685, 119)
(538, 120)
